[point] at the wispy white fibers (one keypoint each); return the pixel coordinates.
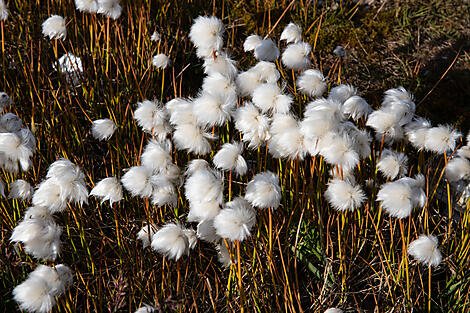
(222, 64)
(164, 191)
(400, 102)
(334, 310)
(463, 152)
(146, 233)
(356, 107)
(160, 61)
(17, 147)
(206, 231)
(266, 50)
(287, 138)
(425, 250)
(192, 138)
(292, 33)
(342, 93)
(137, 181)
(171, 241)
(223, 255)
(385, 123)
(206, 34)
(181, 111)
(251, 42)
(343, 195)
(71, 66)
(37, 293)
(399, 197)
(40, 237)
(221, 87)
(155, 36)
(11, 122)
(3, 11)
(441, 139)
(90, 6)
(263, 72)
(103, 129)
(5, 101)
(235, 221)
(156, 155)
(312, 83)
(393, 164)
(457, 168)
(153, 118)
(110, 8)
(48, 195)
(338, 149)
(296, 56)
(145, 309)
(211, 110)
(325, 109)
(192, 238)
(54, 27)
(108, 189)
(416, 132)
(253, 125)
(230, 157)
(263, 191)
(269, 98)
(20, 189)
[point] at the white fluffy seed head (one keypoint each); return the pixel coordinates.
(385, 123)
(441, 139)
(90, 6)
(71, 66)
(137, 181)
(164, 192)
(11, 122)
(343, 195)
(263, 191)
(156, 155)
(338, 149)
(54, 27)
(20, 189)
(204, 186)
(110, 8)
(458, 168)
(153, 118)
(393, 164)
(356, 107)
(3, 11)
(171, 241)
(155, 36)
(160, 61)
(425, 250)
(236, 220)
(223, 254)
(252, 124)
(251, 42)
(16, 149)
(288, 140)
(312, 83)
(145, 309)
(211, 110)
(108, 189)
(49, 195)
(269, 98)
(229, 158)
(206, 231)
(463, 152)
(103, 129)
(192, 138)
(146, 233)
(266, 50)
(222, 64)
(221, 87)
(396, 198)
(342, 93)
(296, 56)
(400, 102)
(206, 34)
(292, 33)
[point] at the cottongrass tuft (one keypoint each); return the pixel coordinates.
(153, 118)
(263, 191)
(292, 33)
(269, 98)
(90, 6)
(110, 8)
(334, 310)
(160, 61)
(155, 36)
(253, 125)
(137, 181)
(296, 56)
(146, 233)
(3, 11)
(342, 93)
(251, 42)
(54, 27)
(103, 129)
(21, 189)
(312, 83)
(393, 164)
(156, 155)
(145, 309)
(441, 139)
(356, 107)
(230, 157)
(5, 101)
(171, 241)
(206, 34)
(108, 189)
(457, 168)
(236, 220)
(266, 50)
(425, 250)
(343, 195)
(71, 65)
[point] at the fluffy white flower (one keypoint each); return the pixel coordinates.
(16, 149)
(171, 241)
(325, 109)
(441, 139)
(192, 238)
(155, 36)
(312, 83)
(54, 27)
(37, 293)
(229, 157)
(457, 169)
(463, 152)
(296, 56)
(385, 123)
(267, 72)
(221, 87)
(266, 50)
(108, 189)
(251, 42)
(181, 111)
(262, 72)
(343, 195)
(287, 140)
(146, 233)
(263, 191)
(3, 11)
(356, 107)
(48, 195)
(192, 138)
(235, 221)
(21, 189)
(206, 231)
(90, 6)
(342, 93)
(160, 61)
(40, 237)
(393, 164)
(153, 118)
(71, 66)
(416, 132)
(292, 33)
(145, 309)
(223, 254)
(425, 250)
(338, 149)
(11, 122)
(400, 102)
(103, 129)
(137, 181)
(206, 34)
(210, 110)
(110, 8)
(70, 180)
(269, 98)
(252, 124)
(156, 156)
(164, 192)
(222, 64)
